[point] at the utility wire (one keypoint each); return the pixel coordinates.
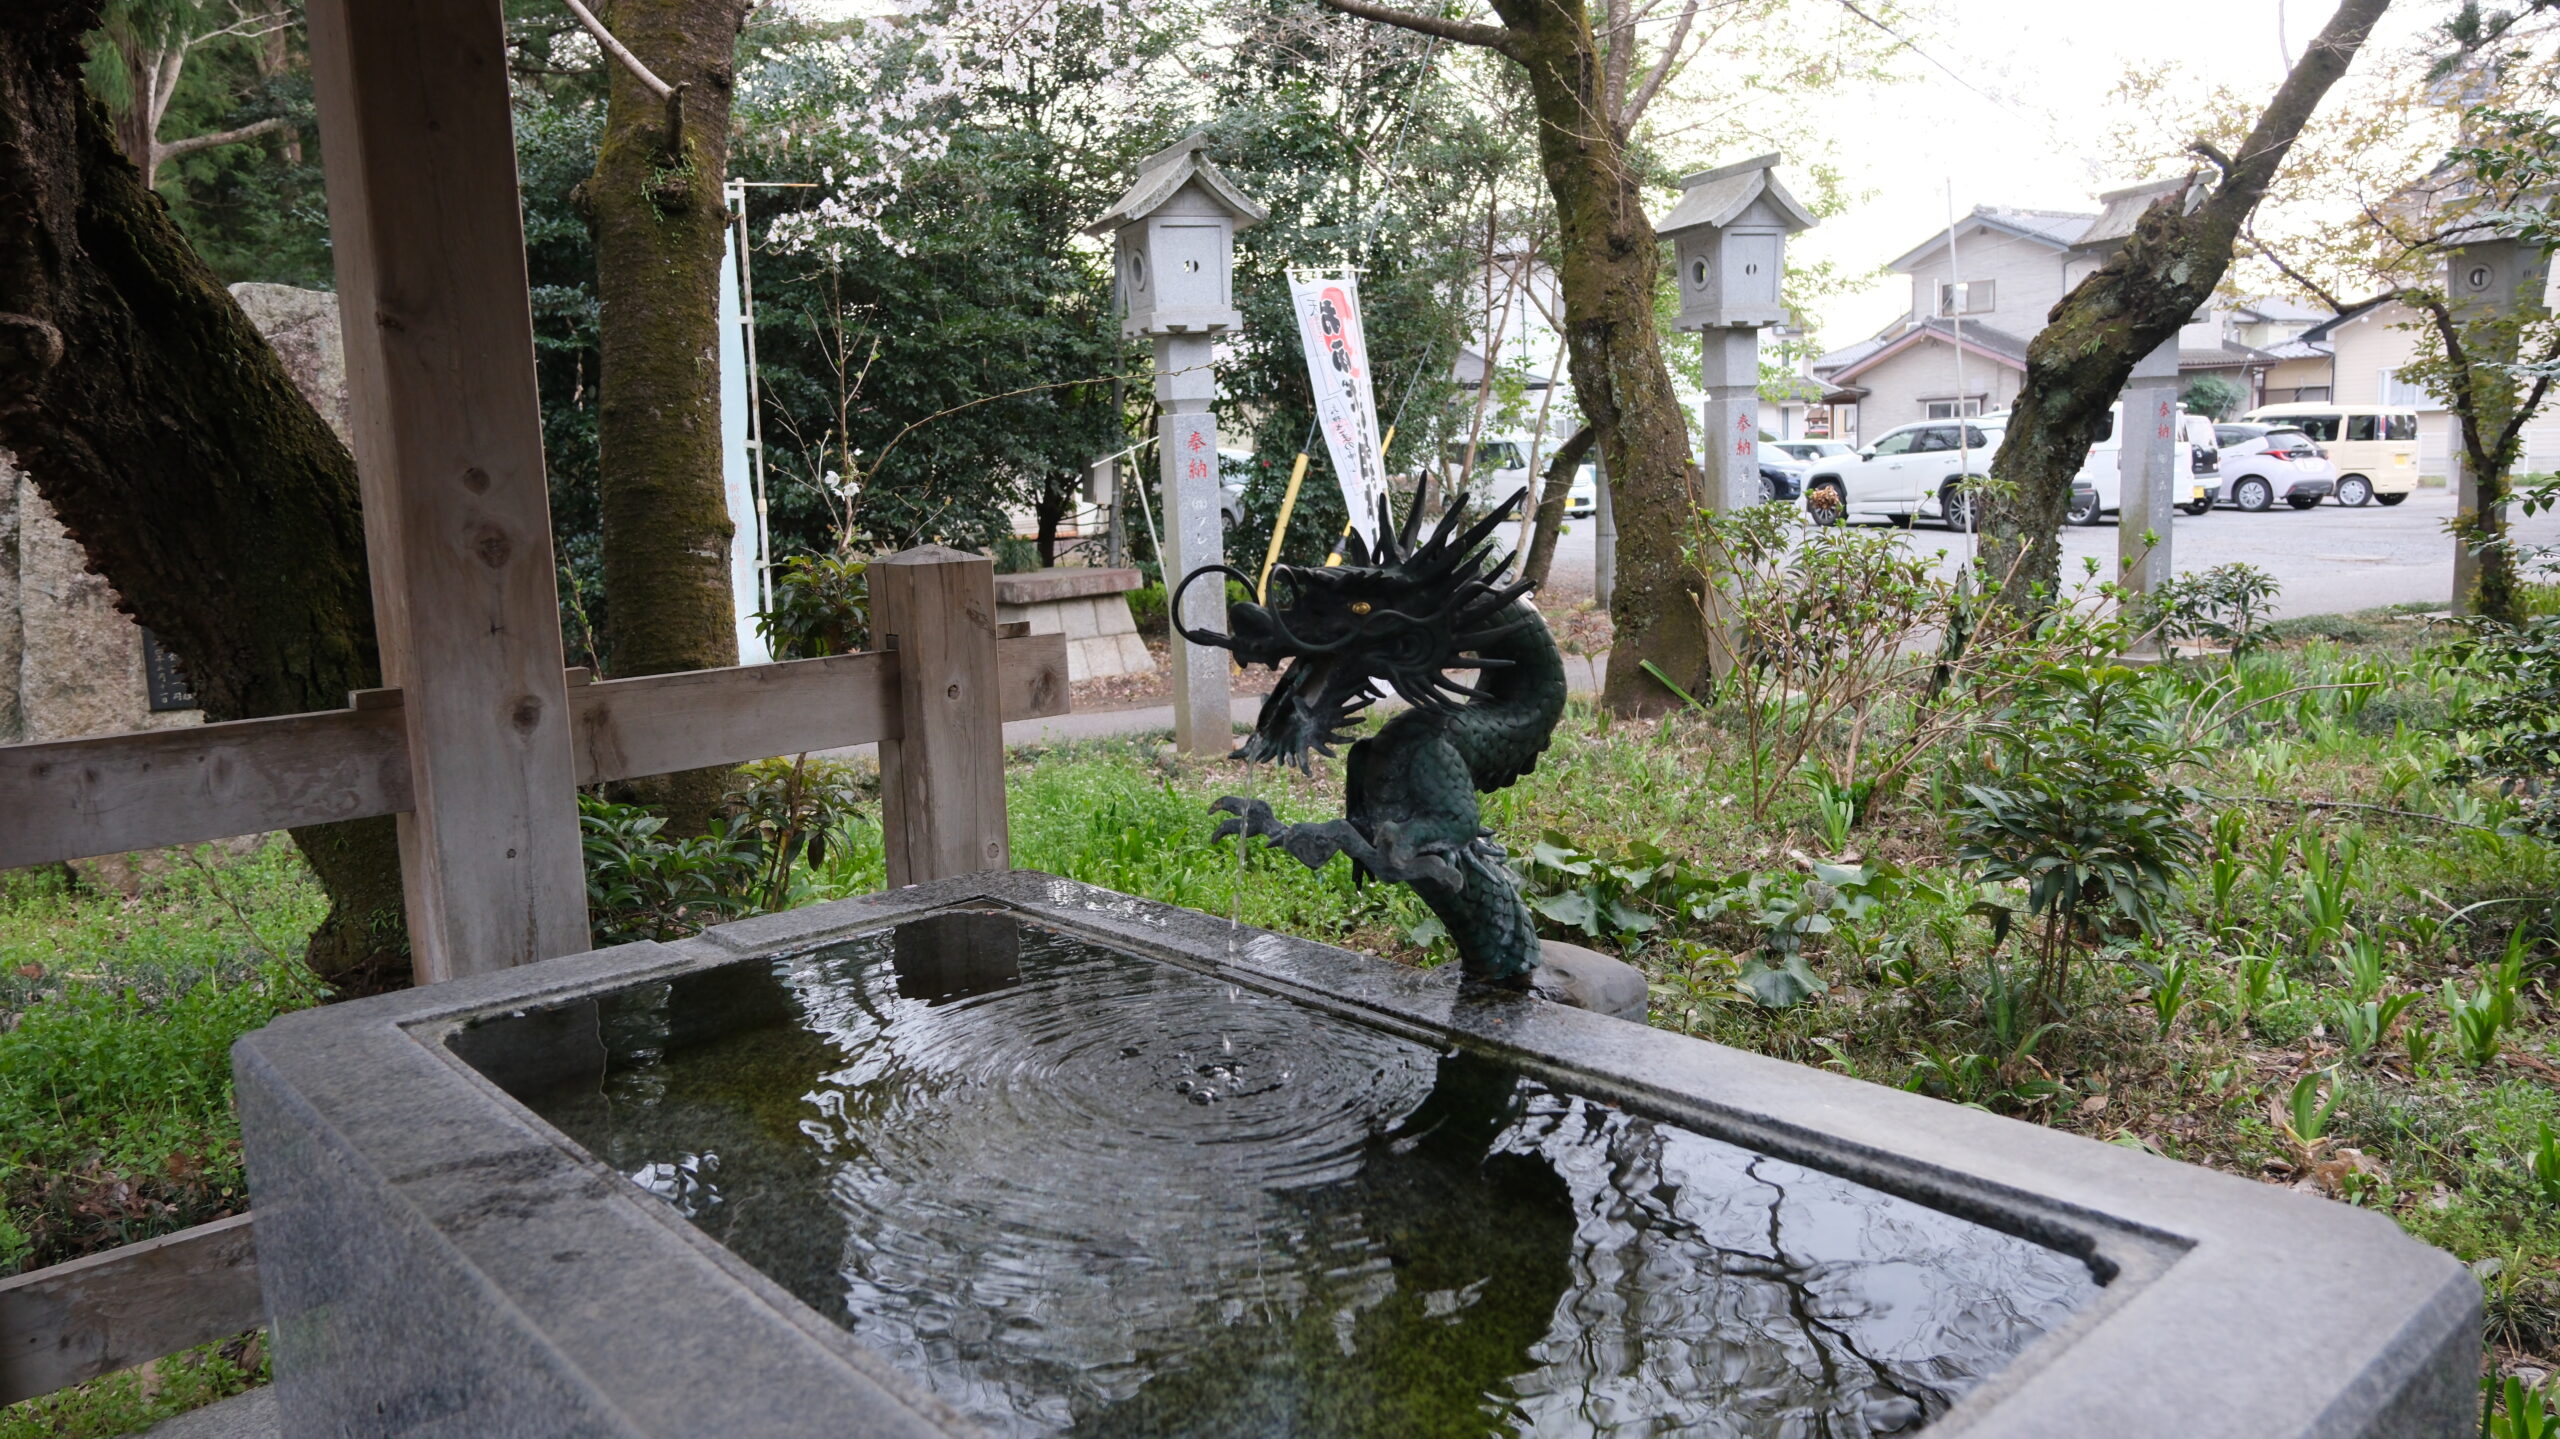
(1905, 42)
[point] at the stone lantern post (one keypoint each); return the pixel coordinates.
(1729, 241)
(2147, 497)
(1175, 270)
(2496, 277)
(2147, 461)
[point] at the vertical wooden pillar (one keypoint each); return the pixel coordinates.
(425, 223)
(942, 779)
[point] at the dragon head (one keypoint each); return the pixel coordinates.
(1404, 614)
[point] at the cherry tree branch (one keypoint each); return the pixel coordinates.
(1490, 37)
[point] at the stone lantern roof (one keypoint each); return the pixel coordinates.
(1162, 175)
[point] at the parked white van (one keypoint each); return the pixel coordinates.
(2098, 490)
(2374, 447)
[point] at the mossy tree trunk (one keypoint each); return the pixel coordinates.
(1609, 267)
(2478, 376)
(165, 433)
(2137, 301)
(654, 202)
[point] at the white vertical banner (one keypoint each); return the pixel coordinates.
(737, 470)
(1337, 347)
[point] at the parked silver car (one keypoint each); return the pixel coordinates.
(2262, 464)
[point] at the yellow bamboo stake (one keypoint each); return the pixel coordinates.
(1280, 531)
(1334, 560)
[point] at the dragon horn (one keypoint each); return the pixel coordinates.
(1474, 538)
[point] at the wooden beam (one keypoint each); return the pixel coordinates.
(1031, 676)
(661, 724)
(425, 225)
(71, 799)
(73, 1322)
(942, 777)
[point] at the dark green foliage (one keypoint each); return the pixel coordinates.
(2214, 397)
(2514, 724)
(557, 131)
(1314, 105)
(255, 209)
(821, 606)
(2079, 806)
(926, 372)
(779, 822)
(644, 884)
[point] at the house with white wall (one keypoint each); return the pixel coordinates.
(1981, 290)
(1977, 293)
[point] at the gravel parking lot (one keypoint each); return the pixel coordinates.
(2329, 560)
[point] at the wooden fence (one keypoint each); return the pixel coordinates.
(935, 704)
(482, 737)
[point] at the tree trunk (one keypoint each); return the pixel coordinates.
(2079, 363)
(658, 223)
(165, 433)
(1552, 499)
(1058, 495)
(1610, 269)
(1609, 272)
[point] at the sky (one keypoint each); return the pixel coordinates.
(2032, 135)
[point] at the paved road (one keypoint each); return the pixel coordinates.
(2329, 560)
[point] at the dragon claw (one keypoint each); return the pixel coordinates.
(1246, 818)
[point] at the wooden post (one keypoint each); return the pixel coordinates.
(425, 224)
(942, 779)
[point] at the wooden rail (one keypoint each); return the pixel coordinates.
(70, 799)
(74, 1322)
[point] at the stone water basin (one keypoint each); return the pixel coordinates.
(1015, 1156)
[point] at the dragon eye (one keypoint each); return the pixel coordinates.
(1359, 607)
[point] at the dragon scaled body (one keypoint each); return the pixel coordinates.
(1407, 614)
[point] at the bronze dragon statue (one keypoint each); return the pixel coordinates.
(1406, 614)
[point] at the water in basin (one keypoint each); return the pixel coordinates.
(1076, 1191)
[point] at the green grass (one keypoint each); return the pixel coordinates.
(115, 1072)
(138, 1398)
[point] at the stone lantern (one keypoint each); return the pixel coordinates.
(1174, 272)
(2491, 278)
(1729, 245)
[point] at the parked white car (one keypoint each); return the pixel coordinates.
(2262, 464)
(1908, 472)
(1802, 454)
(1582, 497)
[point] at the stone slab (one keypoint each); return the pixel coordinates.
(1033, 586)
(438, 1261)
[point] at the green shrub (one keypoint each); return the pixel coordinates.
(1146, 606)
(2080, 807)
(2227, 604)
(2512, 723)
(821, 606)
